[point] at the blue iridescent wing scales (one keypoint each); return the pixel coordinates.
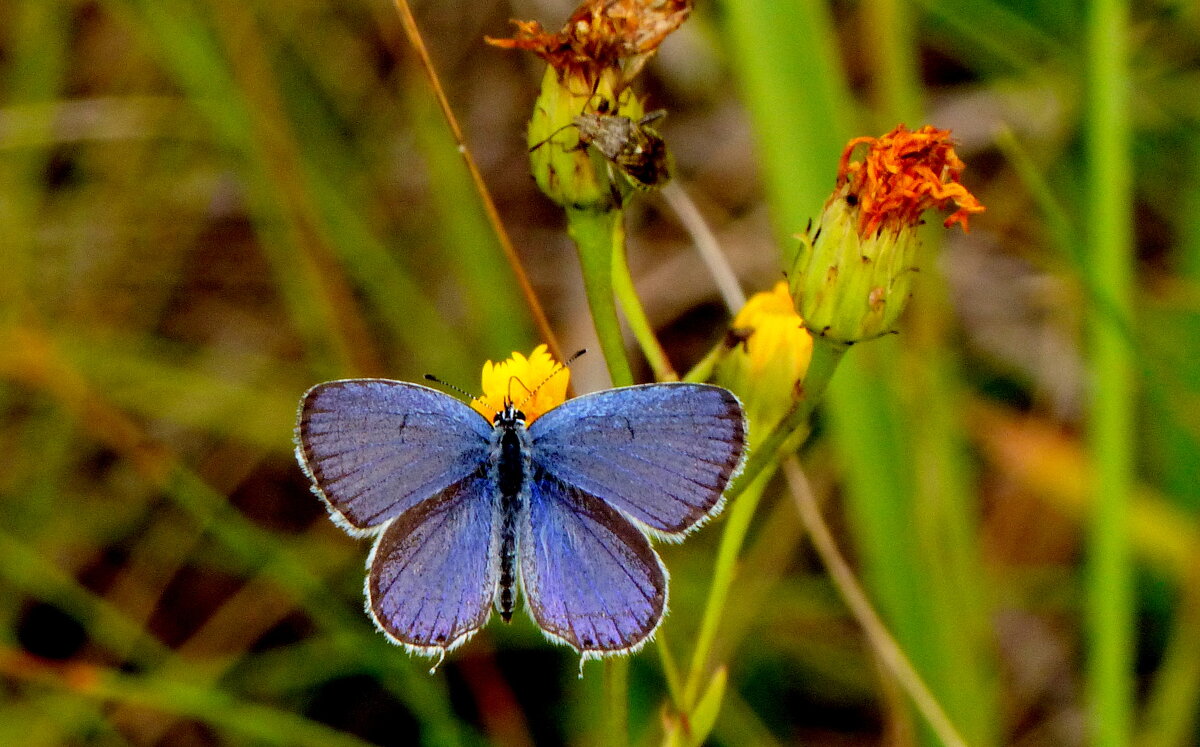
(591, 579)
(661, 453)
(376, 448)
(433, 571)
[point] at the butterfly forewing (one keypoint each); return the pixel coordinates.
(590, 577)
(661, 453)
(376, 448)
(434, 570)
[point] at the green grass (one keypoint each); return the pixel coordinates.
(207, 207)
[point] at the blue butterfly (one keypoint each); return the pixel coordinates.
(468, 512)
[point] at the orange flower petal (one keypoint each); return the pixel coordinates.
(902, 175)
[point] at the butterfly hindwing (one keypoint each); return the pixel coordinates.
(375, 448)
(434, 569)
(591, 579)
(661, 453)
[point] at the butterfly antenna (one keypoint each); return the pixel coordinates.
(557, 369)
(443, 383)
(509, 398)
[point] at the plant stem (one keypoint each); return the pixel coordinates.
(596, 233)
(737, 524)
(670, 668)
(635, 313)
(1109, 609)
(489, 206)
(707, 246)
(615, 728)
(748, 490)
(884, 645)
(825, 358)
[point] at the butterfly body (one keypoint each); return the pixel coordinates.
(510, 462)
(469, 515)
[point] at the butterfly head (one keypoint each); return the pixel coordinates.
(509, 416)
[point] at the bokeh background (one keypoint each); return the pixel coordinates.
(207, 206)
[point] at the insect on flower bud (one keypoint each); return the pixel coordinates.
(585, 101)
(852, 276)
(565, 168)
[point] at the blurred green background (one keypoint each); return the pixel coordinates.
(207, 206)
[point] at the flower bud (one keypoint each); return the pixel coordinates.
(585, 94)
(852, 276)
(569, 172)
(767, 354)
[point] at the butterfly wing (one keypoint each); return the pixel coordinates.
(661, 453)
(434, 569)
(590, 578)
(376, 448)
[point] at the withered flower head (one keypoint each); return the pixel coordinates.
(602, 35)
(852, 276)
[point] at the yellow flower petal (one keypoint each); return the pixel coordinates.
(534, 385)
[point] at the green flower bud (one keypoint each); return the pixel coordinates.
(852, 276)
(849, 288)
(565, 168)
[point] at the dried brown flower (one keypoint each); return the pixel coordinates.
(602, 35)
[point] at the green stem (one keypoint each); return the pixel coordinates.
(635, 313)
(670, 668)
(748, 489)
(600, 236)
(703, 370)
(1109, 609)
(596, 233)
(1171, 716)
(825, 358)
(615, 728)
(737, 524)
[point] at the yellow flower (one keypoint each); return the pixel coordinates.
(853, 275)
(768, 352)
(534, 385)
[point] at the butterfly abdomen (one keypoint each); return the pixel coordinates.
(511, 462)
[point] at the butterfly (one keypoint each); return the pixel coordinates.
(467, 512)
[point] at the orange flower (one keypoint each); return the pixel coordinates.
(534, 384)
(600, 35)
(852, 276)
(903, 175)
